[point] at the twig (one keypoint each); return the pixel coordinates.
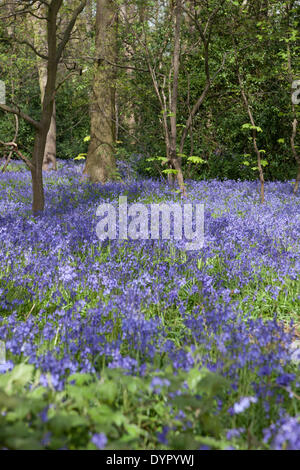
(14, 140)
(20, 113)
(15, 149)
(31, 310)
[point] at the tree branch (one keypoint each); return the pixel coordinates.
(20, 113)
(42, 56)
(14, 140)
(15, 149)
(68, 30)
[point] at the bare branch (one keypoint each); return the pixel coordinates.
(20, 113)
(14, 140)
(68, 30)
(15, 149)
(27, 43)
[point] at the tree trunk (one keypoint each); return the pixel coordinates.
(175, 161)
(295, 153)
(50, 148)
(128, 14)
(254, 139)
(100, 163)
(37, 191)
(295, 120)
(38, 201)
(40, 42)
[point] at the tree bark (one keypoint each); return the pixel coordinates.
(47, 109)
(295, 121)
(127, 12)
(100, 163)
(175, 161)
(254, 139)
(40, 43)
(50, 148)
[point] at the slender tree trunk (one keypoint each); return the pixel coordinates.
(294, 123)
(297, 179)
(40, 43)
(37, 176)
(175, 161)
(100, 163)
(254, 139)
(293, 146)
(47, 110)
(50, 148)
(127, 12)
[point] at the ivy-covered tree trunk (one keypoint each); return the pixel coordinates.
(100, 163)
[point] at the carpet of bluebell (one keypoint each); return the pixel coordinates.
(140, 343)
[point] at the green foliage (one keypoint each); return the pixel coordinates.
(196, 160)
(81, 156)
(219, 132)
(129, 410)
(249, 126)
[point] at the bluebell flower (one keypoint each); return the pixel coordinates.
(243, 404)
(99, 440)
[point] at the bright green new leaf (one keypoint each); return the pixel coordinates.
(195, 159)
(81, 156)
(170, 171)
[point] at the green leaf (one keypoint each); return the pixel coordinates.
(194, 159)
(81, 156)
(169, 171)
(80, 379)
(108, 391)
(249, 126)
(19, 376)
(212, 442)
(63, 422)
(183, 441)
(194, 377)
(87, 138)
